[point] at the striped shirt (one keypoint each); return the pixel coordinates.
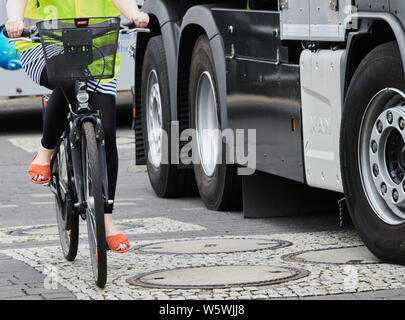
(33, 62)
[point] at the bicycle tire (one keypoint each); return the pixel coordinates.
(92, 188)
(67, 220)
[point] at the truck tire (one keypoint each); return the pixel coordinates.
(372, 152)
(166, 179)
(218, 183)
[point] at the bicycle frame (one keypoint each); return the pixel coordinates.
(71, 139)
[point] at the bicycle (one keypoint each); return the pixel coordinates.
(74, 50)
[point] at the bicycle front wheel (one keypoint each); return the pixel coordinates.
(94, 203)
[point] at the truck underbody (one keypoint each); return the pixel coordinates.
(288, 69)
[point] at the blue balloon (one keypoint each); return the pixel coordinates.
(9, 57)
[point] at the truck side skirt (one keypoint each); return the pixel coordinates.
(263, 89)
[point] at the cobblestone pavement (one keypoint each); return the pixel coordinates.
(304, 251)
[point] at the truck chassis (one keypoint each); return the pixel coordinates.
(320, 82)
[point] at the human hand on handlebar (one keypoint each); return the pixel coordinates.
(140, 19)
(14, 28)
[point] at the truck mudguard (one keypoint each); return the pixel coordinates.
(394, 23)
(167, 13)
(202, 16)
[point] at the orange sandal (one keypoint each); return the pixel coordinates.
(36, 170)
(114, 241)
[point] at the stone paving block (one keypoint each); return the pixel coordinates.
(33, 297)
(58, 295)
(45, 291)
(34, 284)
(395, 298)
(29, 276)
(30, 283)
(348, 296)
(11, 292)
(380, 294)
(5, 282)
(11, 266)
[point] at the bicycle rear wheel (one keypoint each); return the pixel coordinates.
(92, 185)
(67, 220)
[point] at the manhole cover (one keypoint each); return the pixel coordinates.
(348, 255)
(43, 230)
(213, 245)
(217, 277)
(53, 229)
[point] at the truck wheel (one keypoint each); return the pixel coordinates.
(166, 180)
(373, 152)
(218, 183)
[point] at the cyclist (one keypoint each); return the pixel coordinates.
(102, 95)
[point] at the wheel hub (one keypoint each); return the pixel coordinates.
(387, 158)
(207, 126)
(382, 155)
(395, 158)
(154, 119)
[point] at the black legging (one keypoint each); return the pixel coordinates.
(55, 122)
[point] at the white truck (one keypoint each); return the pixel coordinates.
(322, 83)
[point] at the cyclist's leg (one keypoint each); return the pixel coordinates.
(55, 121)
(55, 117)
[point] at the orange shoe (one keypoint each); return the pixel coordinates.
(36, 170)
(114, 241)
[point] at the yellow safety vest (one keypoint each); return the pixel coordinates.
(37, 10)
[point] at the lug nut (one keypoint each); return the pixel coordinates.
(389, 117)
(401, 123)
(379, 126)
(376, 170)
(383, 188)
(374, 146)
(395, 195)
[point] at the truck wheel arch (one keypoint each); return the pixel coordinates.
(163, 21)
(197, 21)
(369, 38)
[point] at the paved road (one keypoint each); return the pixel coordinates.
(278, 258)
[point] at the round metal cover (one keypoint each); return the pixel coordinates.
(217, 277)
(213, 245)
(347, 255)
(53, 229)
(42, 230)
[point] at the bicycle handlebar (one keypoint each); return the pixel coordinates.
(129, 27)
(25, 36)
(31, 34)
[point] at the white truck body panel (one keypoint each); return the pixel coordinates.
(314, 20)
(322, 100)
